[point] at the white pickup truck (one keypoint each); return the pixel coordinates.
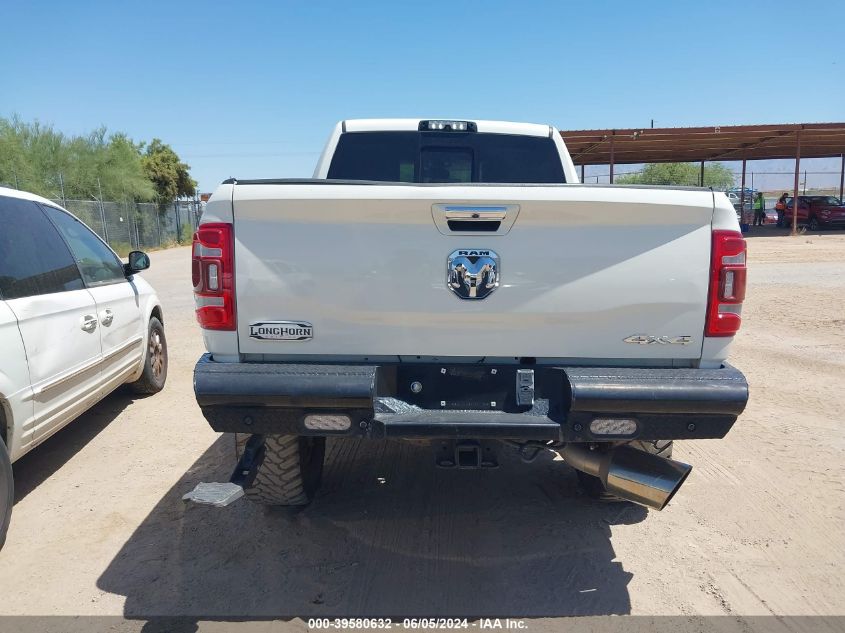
(452, 281)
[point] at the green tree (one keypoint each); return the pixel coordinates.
(170, 176)
(31, 156)
(37, 158)
(716, 175)
(111, 165)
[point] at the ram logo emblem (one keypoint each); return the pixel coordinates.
(472, 274)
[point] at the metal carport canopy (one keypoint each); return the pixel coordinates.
(695, 144)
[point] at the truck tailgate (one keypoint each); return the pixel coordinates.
(582, 269)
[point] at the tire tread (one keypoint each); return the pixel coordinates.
(280, 480)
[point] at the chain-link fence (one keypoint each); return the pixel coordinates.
(127, 226)
(810, 182)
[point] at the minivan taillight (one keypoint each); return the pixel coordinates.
(727, 284)
(213, 276)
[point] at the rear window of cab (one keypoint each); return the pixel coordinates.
(446, 157)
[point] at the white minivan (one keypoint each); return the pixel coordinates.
(75, 323)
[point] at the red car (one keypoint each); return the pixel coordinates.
(817, 212)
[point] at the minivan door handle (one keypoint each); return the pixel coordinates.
(107, 317)
(88, 323)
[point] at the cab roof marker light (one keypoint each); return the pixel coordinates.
(441, 125)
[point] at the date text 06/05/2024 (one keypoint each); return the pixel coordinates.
(416, 623)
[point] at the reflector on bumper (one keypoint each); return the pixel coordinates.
(327, 422)
(613, 426)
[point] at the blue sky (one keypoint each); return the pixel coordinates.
(252, 89)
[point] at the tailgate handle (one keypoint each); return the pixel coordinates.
(476, 214)
(474, 218)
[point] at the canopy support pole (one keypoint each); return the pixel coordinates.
(742, 216)
(611, 157)
(797, 178)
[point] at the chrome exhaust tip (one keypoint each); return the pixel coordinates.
(637, 476)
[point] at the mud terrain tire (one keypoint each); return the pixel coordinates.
(291, 471)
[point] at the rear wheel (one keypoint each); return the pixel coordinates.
(7, 491)
(291, 471)
(595, 488)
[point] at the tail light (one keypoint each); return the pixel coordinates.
(213, 275)
(727, 284)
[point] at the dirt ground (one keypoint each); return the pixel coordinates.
(99, 526)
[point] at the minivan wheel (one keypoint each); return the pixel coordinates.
(7, 491)
(155, 363)
(814, 225)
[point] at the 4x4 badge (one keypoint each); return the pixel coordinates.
(648, 339)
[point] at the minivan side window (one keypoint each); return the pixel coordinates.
(99, 265)
(34, 260)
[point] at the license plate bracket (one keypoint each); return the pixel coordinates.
(458, 387)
